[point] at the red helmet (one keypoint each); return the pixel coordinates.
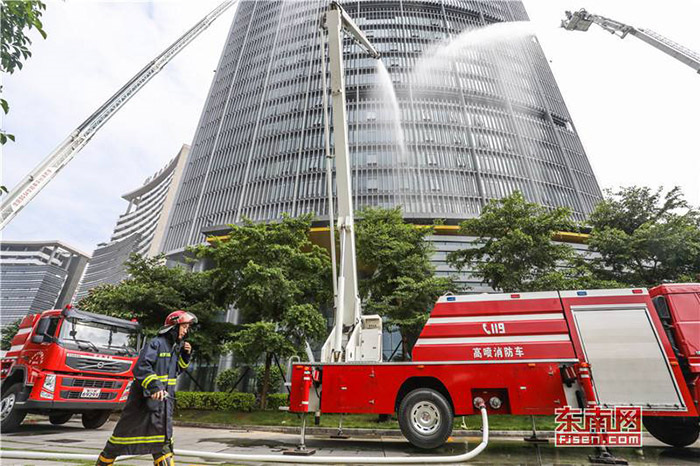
(177, 318)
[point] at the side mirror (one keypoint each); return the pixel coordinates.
(41, 338)
(40, 335)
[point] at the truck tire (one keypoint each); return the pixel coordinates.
(425, 418)
(11, 416)
(95, 419)
(58, 419)
(674, 431)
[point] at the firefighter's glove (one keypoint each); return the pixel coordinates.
(160, 395)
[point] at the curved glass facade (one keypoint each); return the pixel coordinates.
(138, 231)
(486, 123)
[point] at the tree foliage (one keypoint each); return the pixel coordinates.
(399, 281)
(278, 280)
(226, 379)
(15, 18)
(645, 237)
(275, 376)
(153, 291)
(8, 333)
(514, 250)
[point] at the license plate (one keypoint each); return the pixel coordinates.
(90, 393)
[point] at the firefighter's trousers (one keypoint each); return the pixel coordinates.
(163, 458)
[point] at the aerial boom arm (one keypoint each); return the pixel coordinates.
(43, 173)
(345, 337)
(581, 20)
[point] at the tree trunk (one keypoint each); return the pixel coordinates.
(266, 381)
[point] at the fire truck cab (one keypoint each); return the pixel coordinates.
(530, 353)
(64, 362)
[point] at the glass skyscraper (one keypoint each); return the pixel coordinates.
(140, 230)
(36, 276)
(485, 122)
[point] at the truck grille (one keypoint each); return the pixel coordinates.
(97, 364)
(91, 383)
(75, 395)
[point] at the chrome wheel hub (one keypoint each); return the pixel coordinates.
(6, 406)
(425, 417)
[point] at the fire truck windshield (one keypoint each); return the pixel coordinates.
(98, 338)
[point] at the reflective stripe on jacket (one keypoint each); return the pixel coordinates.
(146, 424)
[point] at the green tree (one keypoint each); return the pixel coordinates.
(645, 237)
(399, 281)
(574, 274)
(514, 250)
(15, 18)
(275, 376)
(153, 291)
(226, 379)
(8, 333)
(278, 280)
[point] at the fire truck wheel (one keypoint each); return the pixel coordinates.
(95, 419)
(425, 418)
(674, 431)
(11, 417)
(60, 418)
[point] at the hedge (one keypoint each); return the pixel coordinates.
(224, 401)
(275, 400)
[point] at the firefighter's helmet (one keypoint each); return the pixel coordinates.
(176, 318)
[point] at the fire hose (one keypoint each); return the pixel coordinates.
(17, 454)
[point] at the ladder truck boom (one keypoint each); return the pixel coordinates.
(345, 343)
(581, 20)
(43, 173)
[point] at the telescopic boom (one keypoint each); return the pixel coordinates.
(581, 20)
(47, 170)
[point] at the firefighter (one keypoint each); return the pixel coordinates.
(145, 425)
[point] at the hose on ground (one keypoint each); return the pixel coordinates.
(283, 458)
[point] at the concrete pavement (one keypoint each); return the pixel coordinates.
(38, 435)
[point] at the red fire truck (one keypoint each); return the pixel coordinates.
(513, 353)
(529, 353)
(64, 362)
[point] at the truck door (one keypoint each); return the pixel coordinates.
(629, 365)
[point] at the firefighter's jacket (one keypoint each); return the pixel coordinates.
(146, 424)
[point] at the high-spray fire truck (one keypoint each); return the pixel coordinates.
(513, 353)
(64, 362)
(528, 353)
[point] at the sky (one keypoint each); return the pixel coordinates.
(635, 109)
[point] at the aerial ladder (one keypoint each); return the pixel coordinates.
(355, 336)
(42, 174)
(581, 20)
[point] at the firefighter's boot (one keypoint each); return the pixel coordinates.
(166, 460)
(104, 461)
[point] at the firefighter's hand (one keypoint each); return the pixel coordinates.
(160, 396)
(187, 347)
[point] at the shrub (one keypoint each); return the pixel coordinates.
(275, 400)
(235, 401)
(226, 379)
(275, 379)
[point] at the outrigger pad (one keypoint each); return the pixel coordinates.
(535, 439)
(300, 452)
(606, 458)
